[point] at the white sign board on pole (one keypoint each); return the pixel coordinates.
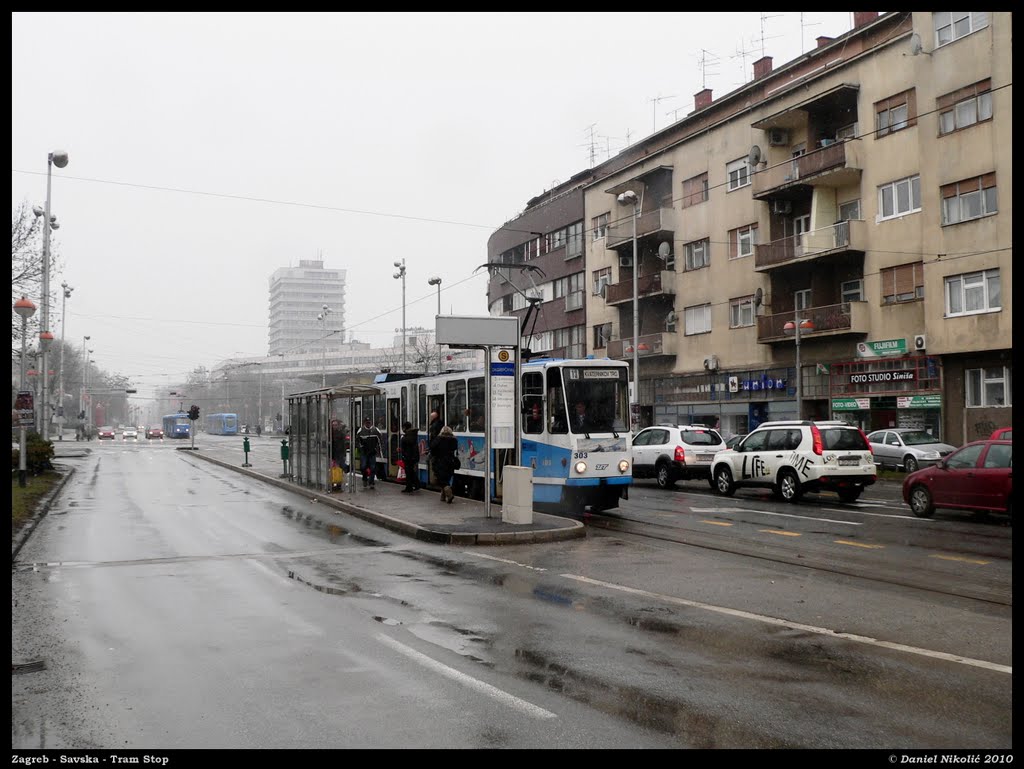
(503, 399)
(458, 331)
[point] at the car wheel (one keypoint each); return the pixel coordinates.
(849, 495)
(789, 486)
(723, 482)
(664, 476)
(910, 464)
(921, 502)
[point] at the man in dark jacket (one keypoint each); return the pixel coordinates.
(443, 457)
(370, 446)
(410, 458)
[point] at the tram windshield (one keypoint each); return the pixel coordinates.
(596, 399)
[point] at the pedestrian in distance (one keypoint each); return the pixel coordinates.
(371, 446)
(410, 458)
(445, 461)
(434, 427)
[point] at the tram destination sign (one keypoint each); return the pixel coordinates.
(874, 377)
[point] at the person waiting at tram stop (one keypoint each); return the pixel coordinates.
(370, 446)
(410, 458)
(443, 458)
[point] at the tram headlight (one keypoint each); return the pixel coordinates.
(623, 465)
(580, 467)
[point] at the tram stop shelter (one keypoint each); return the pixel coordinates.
(313, 415)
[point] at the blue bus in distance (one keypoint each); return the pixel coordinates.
(222, 424)
(176, 425)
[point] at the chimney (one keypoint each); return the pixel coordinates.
(860, 18)
(701, 99)
(762, 67)
(823, 41)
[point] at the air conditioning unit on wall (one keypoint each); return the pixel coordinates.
(625, 261)
(778, 137)
(782, 206)
(920, 343)
(711, 363)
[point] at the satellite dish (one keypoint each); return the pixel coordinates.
(758, 297)
(671, 317)
(755, 156)
(915, 45)
(664, 251)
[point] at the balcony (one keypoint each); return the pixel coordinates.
(829, 320)
(662, 283)
(825, 241)
(835, 165)
(653, 222)
(649, 345)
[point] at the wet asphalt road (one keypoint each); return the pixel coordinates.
(180, 605)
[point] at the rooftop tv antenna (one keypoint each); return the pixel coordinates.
(703, 64)
(742, 54)
(764, 18)
(804, 25)
(592, 143)
(654, 111)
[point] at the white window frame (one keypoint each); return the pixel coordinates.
(745, 233)
(693, 249)
(949, 25)
(848, 214)
(697, 320)
(891, 120)
(602, 335)
(851, 290)
(602, 279)
(977, 382)
(574, 240)
(738, 173)
(741, 312)
(961, 288)
(958, 115)
(985, 199)
(600, 225)
(912, 184)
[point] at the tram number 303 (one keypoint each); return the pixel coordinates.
(579, 455)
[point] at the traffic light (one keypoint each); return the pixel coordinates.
(193, 413)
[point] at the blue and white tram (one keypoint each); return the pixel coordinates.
(574, 423)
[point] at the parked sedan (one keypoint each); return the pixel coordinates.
(105, 433)
(977, 477)
(906, 448)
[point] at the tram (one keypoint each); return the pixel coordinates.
(574, 423)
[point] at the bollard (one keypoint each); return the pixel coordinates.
(245, 448)
(284, 458)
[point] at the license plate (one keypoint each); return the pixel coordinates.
(846, 461)
(705, 457)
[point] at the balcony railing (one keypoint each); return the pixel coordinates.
(658, 220)
(662, 343)
(800, 169)
(828, 319)
(655, 284)
(835, 238)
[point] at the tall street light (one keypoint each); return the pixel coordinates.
(25, 309)
(322, 317)
(60, 377)
(81, 390)
(401, 275)
(57, 158)
(793, 328)
(626, 198)
(436, 281)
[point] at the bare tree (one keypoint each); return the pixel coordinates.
(27, 263)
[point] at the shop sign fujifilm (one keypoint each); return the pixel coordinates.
(882, 349)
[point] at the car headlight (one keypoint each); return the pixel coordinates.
(930, 455)
(581, 467)
(623, 466)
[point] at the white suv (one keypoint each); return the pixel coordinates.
(798, 456)
(675, 452)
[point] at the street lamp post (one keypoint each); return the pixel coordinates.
(322, 317)
(25, 309)
(401, 275)
(629, 197)
(793, 328)
(57, 158)
(60, 377)
(436, 281)
(81, 391)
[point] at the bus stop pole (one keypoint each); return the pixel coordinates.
(487, 431)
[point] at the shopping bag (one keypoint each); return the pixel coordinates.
(337, 476)
(401, 473)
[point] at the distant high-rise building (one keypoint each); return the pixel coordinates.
(297, 297)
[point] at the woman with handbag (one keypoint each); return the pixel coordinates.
(445, 461)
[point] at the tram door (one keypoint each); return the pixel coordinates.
(394, 434)
(434, 403)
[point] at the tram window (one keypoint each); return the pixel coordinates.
(556, 403)
(456, 396)
(477, 405)
(423, 407)
(533, 403)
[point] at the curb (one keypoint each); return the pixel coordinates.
(21, 537)
(575, 531)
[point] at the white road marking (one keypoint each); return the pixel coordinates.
(506, 560)
(766, 512)
(796, 625)
(879, 515)
(473, 683)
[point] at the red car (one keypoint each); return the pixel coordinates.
(155, 432)
(976, 477)
(105, 433)
(1002, 434)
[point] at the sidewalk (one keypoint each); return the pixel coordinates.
(421, 515)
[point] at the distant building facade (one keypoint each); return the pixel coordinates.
(297, 297)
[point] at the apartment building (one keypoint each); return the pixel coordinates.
(297, 297)
(859, 199)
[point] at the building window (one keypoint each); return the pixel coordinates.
(899, 198)
(574, 241)
(904, 283)
(969, 199)
(989, 386)
(602, 278)
(851, 290)
(698, 254)
(973, 292)
(695, 190)
(570, 284)
(849, 210)
(952, 25)
(965, 107)
(741, 312)
(555, 240)
(697, 320)
(742, 241)
(532, 248)
(599, 225)
(895, 113)
(602, 335)
(573, 339)
(738, 172)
